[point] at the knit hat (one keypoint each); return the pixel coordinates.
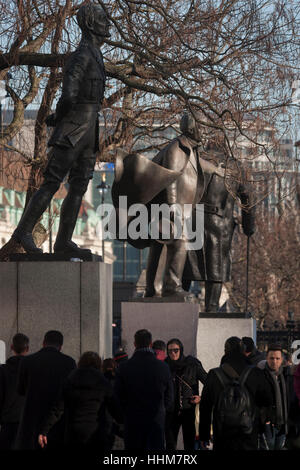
(120, 356)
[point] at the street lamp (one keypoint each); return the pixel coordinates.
(103, 187)
(290, 325)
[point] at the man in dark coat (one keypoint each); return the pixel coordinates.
(259, 392)
(41, 377)
(186, 372)
(86, 398)
(145, 390)
(11, 403)
(276, 414)
(74, 142)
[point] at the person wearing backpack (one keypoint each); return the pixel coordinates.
(231, 398)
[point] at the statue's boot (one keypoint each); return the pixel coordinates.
(68, 217)
(212, 296)
(33, 211)
(176, 256)
(152, 266)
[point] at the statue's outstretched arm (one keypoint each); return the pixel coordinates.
(211, 169)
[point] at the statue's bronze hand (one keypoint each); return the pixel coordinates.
(220, 171)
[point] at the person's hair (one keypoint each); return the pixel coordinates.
(54, 338)
(233, 345)
(275, 347)
(20, 343)
(249, 344)
(90, 359)
(108, 364)
(142, 339)
(159, 344)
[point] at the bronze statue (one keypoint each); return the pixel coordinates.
(176, 175)
(74, 142)
(212, 263)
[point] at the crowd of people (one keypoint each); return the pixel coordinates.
(251, 401)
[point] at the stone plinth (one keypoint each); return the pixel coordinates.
(54, 257)
(73, 297)
(203, 335)
(213, 330)
(165, 320)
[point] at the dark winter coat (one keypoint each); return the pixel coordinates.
(286, 388)
(86, 396)
(186, 373)
(144, 387)
(40, 381)
(260, 395)
(11, 403)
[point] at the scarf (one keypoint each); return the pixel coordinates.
(147, 349)
(280, 397)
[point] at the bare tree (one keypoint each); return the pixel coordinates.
(274, 284)
(223, 60)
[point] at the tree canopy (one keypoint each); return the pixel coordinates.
(227, 60)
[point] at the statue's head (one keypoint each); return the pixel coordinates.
(93, 20)
(189, 126)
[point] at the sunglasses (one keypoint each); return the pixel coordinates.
(175, 350)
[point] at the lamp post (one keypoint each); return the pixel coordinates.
(290, 325)
(103, 187)
(50, 227)
(124, 260)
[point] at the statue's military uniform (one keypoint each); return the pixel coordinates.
(76, 136)
(74, 142)
(82, 95)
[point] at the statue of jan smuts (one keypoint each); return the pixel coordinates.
(74, 142)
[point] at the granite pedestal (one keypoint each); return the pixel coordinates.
(72, 297)
(214, 329)
(165, 320)
(203, 335)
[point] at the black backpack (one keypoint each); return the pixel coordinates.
(234, 412)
